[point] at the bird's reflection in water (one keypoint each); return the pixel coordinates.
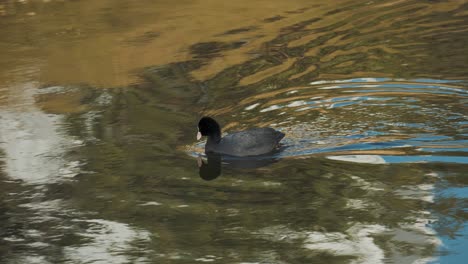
(211, 168)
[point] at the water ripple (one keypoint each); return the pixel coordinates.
(398, 120)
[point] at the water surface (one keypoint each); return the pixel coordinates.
(99, 102)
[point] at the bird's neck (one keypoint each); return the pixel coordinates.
(214, 138)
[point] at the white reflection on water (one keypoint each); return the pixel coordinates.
(369, 159)
(33, 145)
(383, 159)
(110, 242)
(34, 150)
(33, 260)
(359, 240)
(104, 241)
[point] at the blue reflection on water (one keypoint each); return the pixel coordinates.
(453, 249)
(425, 158)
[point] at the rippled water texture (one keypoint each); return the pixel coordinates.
(99, 102)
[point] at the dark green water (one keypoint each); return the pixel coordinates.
(99, 102)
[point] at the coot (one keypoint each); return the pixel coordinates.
(252, 142)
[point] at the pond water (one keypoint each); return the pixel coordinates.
(99, 102)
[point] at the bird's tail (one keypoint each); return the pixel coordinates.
(279, 136)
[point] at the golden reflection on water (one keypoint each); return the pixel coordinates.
(108, 43)
(103, 42)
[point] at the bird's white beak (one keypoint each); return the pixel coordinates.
(199, 135)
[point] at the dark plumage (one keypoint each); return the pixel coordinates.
(252, 142)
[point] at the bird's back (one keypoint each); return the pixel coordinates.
(252, 142)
